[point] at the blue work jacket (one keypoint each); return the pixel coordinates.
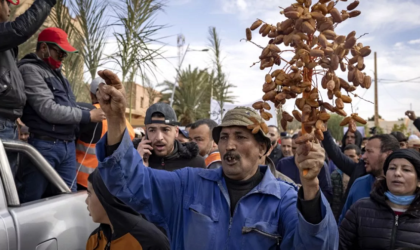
(193, 206)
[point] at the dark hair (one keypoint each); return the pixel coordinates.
(38, 46)
(260, 138)
(286, 137)
(388, 142)
(365, 138)
(295, 136)
(277, 128)
(158, 115)
(189, 125)
(399, 136)
(355, 147)
(210, 123)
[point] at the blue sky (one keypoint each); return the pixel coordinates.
(393, 27)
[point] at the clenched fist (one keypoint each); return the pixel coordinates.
(111, 96)
(312, 162)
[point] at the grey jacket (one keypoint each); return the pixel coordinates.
(51, 107)
(12, 34)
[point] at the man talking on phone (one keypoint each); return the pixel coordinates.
(160, 149)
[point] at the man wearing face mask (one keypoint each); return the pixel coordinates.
(51, 112)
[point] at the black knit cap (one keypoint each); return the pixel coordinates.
(410, 155)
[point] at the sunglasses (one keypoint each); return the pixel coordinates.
(61, 54)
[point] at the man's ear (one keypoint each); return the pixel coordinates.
(262, 148)
(176, 131)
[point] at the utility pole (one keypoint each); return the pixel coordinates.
(376, 95)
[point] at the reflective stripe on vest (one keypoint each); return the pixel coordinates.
(86, 155)
(213, 157)
(86, 149)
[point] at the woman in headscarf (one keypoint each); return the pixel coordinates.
(390, 218)
(120, 226)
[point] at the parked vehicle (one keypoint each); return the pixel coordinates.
(59, 222)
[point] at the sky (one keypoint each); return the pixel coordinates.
(393, 29)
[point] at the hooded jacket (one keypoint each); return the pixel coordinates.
(51, 108)
(372, 224)
(359, 139)
(12, 34)
(131, 230)
(184, 155)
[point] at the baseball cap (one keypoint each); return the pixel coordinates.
(14, 2)
(95, 84)
(240, 117)
(165, 110)
(184, 133)
(58, 37)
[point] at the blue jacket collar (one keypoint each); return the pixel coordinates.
(268, 185)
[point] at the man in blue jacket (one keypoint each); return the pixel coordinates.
(238, 206)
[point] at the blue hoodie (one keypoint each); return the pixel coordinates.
(361, 188)
(193, 206)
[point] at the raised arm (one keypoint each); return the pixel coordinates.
(339, 158)
(154, 193)
(17, 32)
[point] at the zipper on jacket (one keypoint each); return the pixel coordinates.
(226, 195)
(394, 232)
(163, 162)
(250, 229)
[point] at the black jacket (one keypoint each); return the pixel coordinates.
(131, 230)
(12, 34)
(344, 163)
(276, 154)
(51, 109)
(371, 224)
(184, 155)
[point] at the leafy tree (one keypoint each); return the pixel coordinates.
(399, 128)
(371, 119)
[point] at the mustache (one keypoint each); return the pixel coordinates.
(232, 155)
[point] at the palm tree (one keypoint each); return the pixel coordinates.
(192, 96)
(221, 88)
(135, 56)
(93, 23)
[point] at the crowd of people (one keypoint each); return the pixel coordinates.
(208, 186)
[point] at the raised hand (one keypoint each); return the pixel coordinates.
(411, 115)
(111, 96)
(311, 163)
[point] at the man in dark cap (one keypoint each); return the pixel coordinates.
(159, 148)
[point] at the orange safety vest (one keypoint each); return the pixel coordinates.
(90, 162)
(212, 157)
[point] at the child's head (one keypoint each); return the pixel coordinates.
(96, 210)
